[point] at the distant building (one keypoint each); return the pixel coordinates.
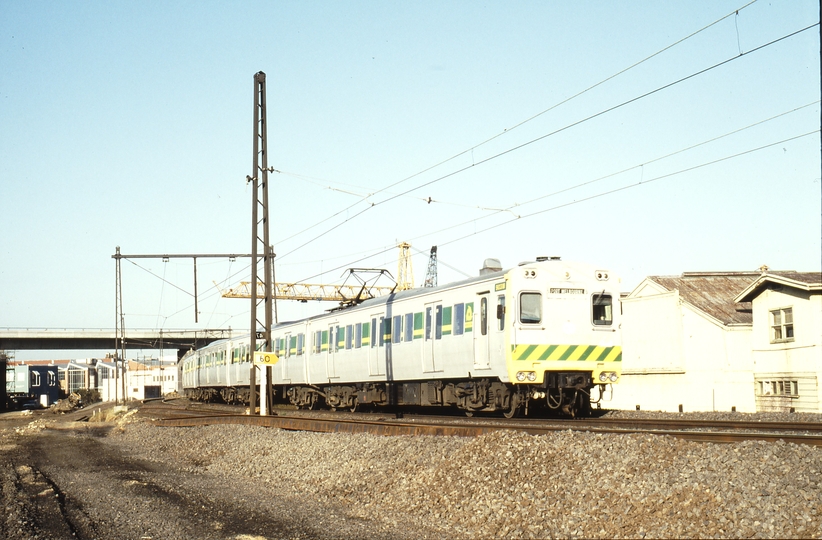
(151, 381)
(32, 384)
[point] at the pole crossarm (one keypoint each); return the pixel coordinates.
(182, 256)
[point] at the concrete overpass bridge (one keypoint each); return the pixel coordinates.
(19, 339)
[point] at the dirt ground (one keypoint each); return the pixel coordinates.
(60, 478)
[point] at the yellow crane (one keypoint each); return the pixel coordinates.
(344, 293)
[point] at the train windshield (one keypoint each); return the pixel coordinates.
(530, 308)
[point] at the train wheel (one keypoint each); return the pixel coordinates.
(514, 408)
(355, 406)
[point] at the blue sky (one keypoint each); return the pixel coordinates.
(130, 124)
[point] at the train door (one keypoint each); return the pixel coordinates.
(432, 344)
(376, 346)
(481, 331)
(330, 366)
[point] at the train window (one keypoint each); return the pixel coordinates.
(368, 333)
(385, 331)
(484, 316)
(292, 345)
(357, 335)
(530, 308)
(501, 312)
(408, 332)
(373, 336)
(603, 313)
(396, 330)
(427, 323)
(446, 320)
(438, 324)
(459, 319)
(469, 317)
(277, 346)
(324, 341)
(418, 328)
(300, 343)
(340, 341)
(348, 336)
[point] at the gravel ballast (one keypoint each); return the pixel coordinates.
(503, 484)
(568, 484)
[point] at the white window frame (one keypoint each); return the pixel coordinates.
(782, 330)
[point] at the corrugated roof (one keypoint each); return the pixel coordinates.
(811, 278)
(713, 293)
(807, 281)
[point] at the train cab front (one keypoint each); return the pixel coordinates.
(563, 334)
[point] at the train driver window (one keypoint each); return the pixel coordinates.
(530, 308)
(603, 313)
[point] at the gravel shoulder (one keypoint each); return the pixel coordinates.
(130, 479)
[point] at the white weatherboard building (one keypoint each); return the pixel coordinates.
(721, 341)
(787, 340)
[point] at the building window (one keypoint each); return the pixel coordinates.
(781, 325)
(779, 388)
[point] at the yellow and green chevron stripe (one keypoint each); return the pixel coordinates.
(570, 353)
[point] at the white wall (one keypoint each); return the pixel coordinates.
(799, 360)
(676, 355)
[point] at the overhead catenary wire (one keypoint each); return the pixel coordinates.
(552, 133)
(627, 169)
(505, 131)
(629, 186)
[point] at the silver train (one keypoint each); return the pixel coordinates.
(542, 335)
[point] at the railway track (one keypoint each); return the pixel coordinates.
(179, 415)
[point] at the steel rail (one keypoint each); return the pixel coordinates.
(407, 428)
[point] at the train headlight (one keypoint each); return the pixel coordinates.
(532, 376)
(603, 377)
(520, 376)
(613, 377)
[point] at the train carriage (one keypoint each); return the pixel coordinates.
(544, 334)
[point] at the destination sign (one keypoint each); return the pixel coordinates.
(567, 291)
